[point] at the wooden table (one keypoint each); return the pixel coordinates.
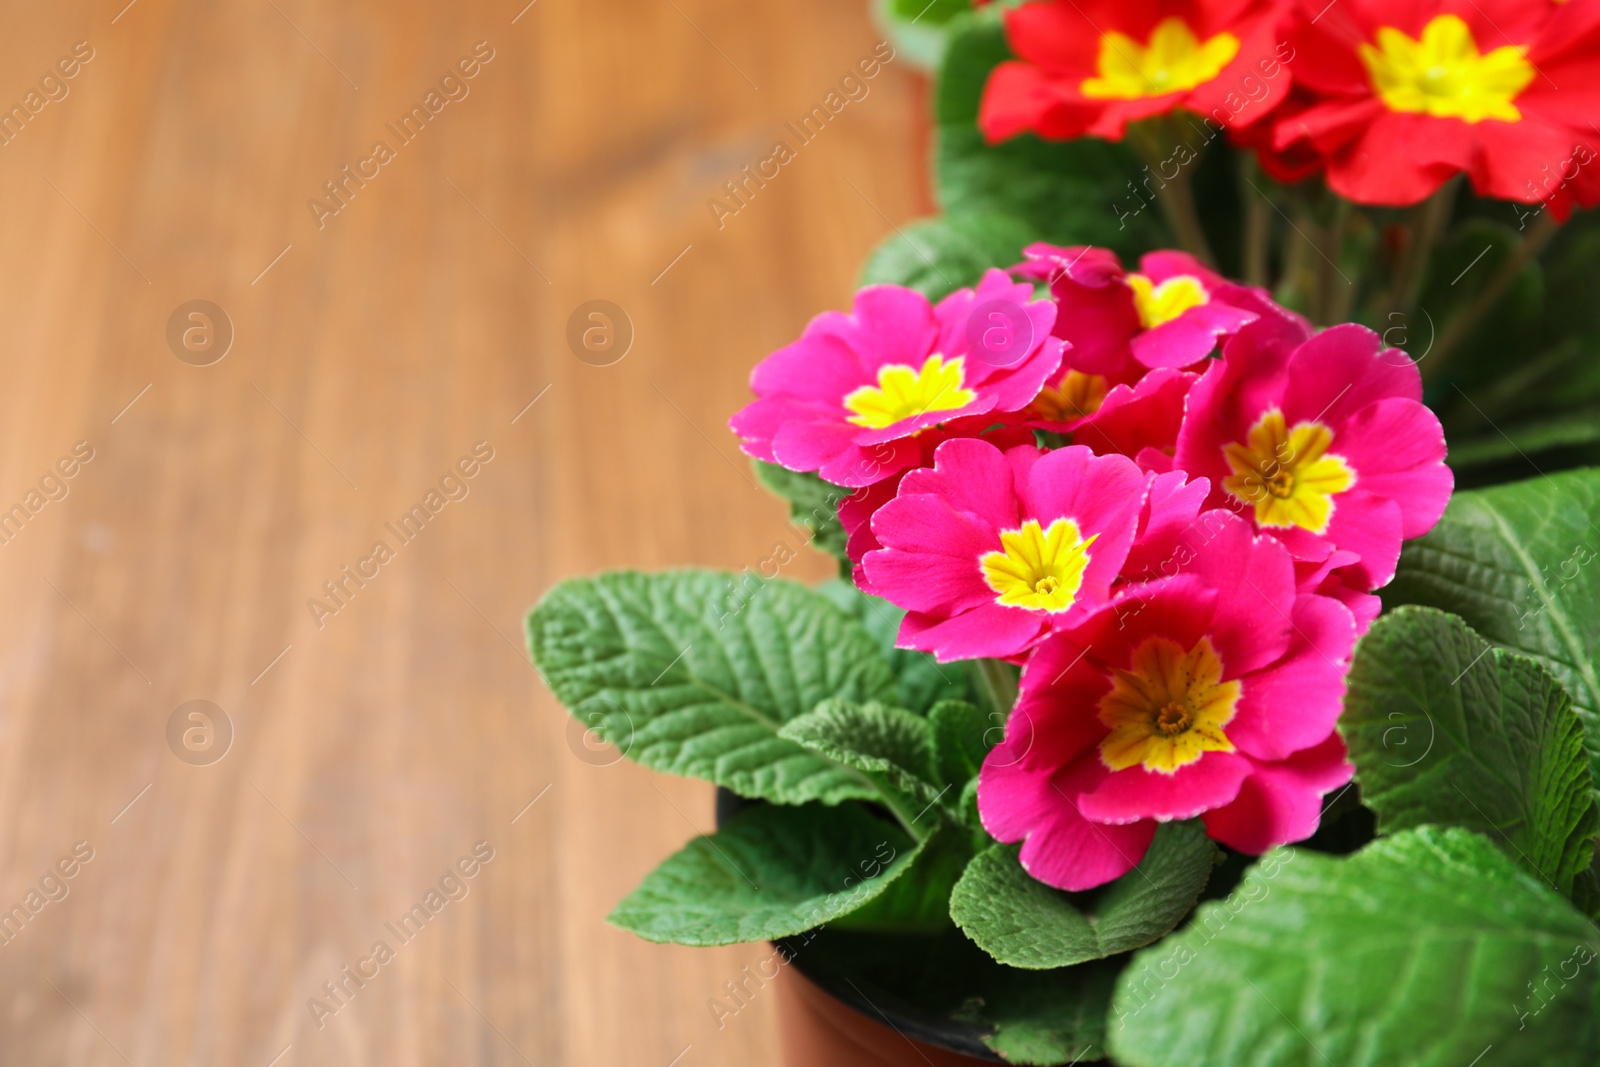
(377, 738)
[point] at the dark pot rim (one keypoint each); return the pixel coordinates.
(881, 1006)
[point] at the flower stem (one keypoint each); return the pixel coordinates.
(900, 808)
(1257, 228)
(1467, 319)
(1154, 142)
(1297, 283)
(1177, 203)
(1428, 222)
(996, 683)
(1334, 289)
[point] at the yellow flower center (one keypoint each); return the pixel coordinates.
(1174, 62)
(1041, 569)
(1288, 474)
(1158, 304)
(1444, 75)
(1079, 396)
(904, 393)
(1168, 709)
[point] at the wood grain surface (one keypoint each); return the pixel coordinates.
(375, 742)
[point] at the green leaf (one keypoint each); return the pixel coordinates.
(690, 674)
(876, 739)
(938, 256)
(922, 680)
(1061, 191)
(770, 872)
(1459, 270)
(1418, 951)
(1443, 730)
(936, 12)
(967, 806)
(918, 42)
(1541, 404)
(1047, 1017)
(813, 505)
(1586, 889)
(1024, 923)
(919, 901)
(1569, 311)
(1523, 439)
(1549, 319)
(1515, 561)
(960, 740)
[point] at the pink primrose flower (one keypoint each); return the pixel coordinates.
(849, 397)
(1324, 443)
(1210, 693)
(1118, 324)
(988, 551)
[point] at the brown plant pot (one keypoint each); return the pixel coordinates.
(830, 1019)
(821, 1031)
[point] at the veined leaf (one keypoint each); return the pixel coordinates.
(923, 681)
(1528, 437)
(938, 256)
(1421, 950)
(1048, 1017)
(880, 741)
(1022, 922)
(813, 505)
(1516, 562)
(770, 872)
(1445, 730)
(690, 673)
(918, 902)
(961, 740)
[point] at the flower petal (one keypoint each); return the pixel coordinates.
(1281, 802)
(1294, 703)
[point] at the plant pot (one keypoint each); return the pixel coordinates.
(820, 1030)
(831, 1018)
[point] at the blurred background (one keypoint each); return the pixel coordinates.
(242, 347)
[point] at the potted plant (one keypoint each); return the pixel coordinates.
(1181, 700)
